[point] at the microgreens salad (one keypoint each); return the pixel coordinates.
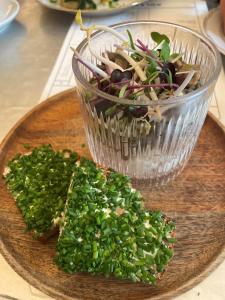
(136, 72)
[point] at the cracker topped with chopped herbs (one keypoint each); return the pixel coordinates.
(104, 227)
(106, 230)
(39, 182)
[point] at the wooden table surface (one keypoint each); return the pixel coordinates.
(195, 200)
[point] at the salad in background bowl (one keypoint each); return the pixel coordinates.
(144, 88)
(88, 4)
(91, 7)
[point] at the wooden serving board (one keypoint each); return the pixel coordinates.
(195, 200)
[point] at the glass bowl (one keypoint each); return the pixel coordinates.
(156, 152)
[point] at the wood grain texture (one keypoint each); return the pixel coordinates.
(195, 200)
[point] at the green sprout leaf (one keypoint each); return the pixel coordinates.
(131, 40)
(153, 76)
(165, 51)
(78, 18)
(122, 91)
(158, 38)
(169, 77)
(152, 68)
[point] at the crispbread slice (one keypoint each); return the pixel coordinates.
(39, 181)
(106, 230)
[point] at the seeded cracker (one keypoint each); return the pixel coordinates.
(106, 230)
(39, 182)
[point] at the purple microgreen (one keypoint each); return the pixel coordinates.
(122, 82)
(90, 66)
(145, 49)
(140, 47)
(116, 84)
(128, 93)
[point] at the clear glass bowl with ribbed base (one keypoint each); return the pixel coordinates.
(149, 152)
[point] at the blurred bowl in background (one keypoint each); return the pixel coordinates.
(8, 12)
(99, 12)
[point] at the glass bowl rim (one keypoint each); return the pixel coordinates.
(173, 100)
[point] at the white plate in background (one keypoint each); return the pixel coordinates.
(8, 11)
(213, 29)
(122, 5)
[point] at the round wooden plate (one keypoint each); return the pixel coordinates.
(196, 200)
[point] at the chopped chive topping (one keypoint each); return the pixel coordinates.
(107, 231)
(39, 181)
(104, 228)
